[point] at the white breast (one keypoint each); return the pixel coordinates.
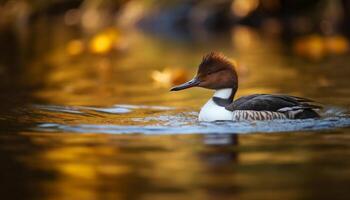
(212, 112)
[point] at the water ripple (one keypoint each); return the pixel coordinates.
(174, 121)
(203, 128)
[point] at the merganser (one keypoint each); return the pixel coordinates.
(218, 73)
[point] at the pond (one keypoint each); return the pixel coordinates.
(82, 121)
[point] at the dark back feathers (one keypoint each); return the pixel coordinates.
(268, 102)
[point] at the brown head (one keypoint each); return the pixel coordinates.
(215, 72)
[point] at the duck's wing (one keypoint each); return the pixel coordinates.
(274, 103)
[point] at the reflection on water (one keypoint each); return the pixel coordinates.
(94, 166)
(148, 144)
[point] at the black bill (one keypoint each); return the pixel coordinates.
(189, 84)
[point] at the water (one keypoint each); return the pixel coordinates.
(92, 126)
(169, 120)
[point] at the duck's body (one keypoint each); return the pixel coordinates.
(256, 107)
(217, 72)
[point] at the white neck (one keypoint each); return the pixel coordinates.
(212, 112)
(223, 93)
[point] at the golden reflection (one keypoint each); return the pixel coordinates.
(242, 8)
(80, 164)
(271, 157)
(244, 37)
(169, 77)
(337, 44)
(311, 47)
(105, 41)
(315, 47)
(97, 166)
(163, 78)
(75, 47)
(90, 171)
(77, 170)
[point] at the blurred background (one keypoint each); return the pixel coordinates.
(101, 52)
(66, 63)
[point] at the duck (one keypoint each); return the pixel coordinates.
(217, 72)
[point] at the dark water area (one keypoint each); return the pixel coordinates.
(81, 121)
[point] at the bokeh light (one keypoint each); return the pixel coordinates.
(242, 8)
